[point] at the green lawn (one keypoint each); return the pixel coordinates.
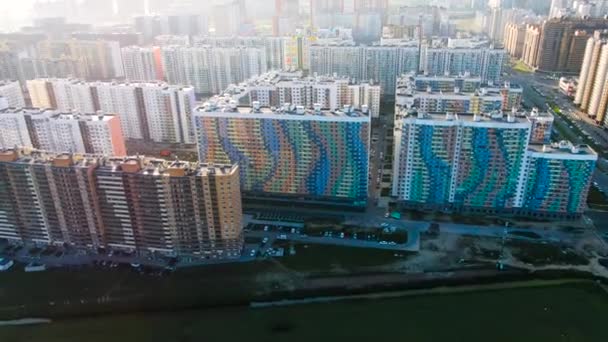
(522, 67)
(572, 312)
(61, 291)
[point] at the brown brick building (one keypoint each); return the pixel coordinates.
(130, 204)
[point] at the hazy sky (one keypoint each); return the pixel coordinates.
(14, 13)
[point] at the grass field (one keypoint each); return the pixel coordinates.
(569, 312)
(91, 290)
(522, 67)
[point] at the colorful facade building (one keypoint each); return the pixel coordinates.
(542, 126)
(553, 168)
(293, 153)
(275, 88)
(486, 163)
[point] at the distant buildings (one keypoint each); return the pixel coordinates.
(514, 39)
(455, 94)
(580, 9)
(87, 59)
(175, 24)
(49, 130)
(11, 92)
(592, 92)
(101, 59)
(229, 18)
(309, 155)
(408, 22)
(531, 42)
(286, 17)
(149, 111)
(364, 17)
(474, 58)
(485, 164)
(381, 64)
(129, 204)
(562, 43)
(211, 70)
(142, 63)
(274, 89)
(296, 52)
(497, 18)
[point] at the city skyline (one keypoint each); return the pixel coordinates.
(171, 167)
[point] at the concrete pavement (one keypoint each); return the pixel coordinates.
(412, 245)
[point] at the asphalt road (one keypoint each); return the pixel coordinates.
(377, 153)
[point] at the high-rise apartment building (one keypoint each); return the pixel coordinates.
(593, 84)
(455, 94)
(485, 163)
(274, 89)
(229, 18)
(14, 130)
(563, 41)
(381, 64)
(149, 111)
(175, 24)
(142, 63)
(275, 50)
(102, 59)
(211, 70)
(286, 17)
(484, 62)
(514, 38)
(542, 125)
(531, 42)
(316, 155)
(296, 52)
(416, 21)
(10, 66)
(129, 204)
(40, 94)
(49, 130)
(386, 63)
(12, 93)
(553, 168)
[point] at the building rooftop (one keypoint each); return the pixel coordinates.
(75, 81)
(278, 78)
(410, 85)
(54, 114)
(497, 117)
(537, 115)
(564, 148)
(99, 116)
(7, 82)
(225, 104)
(29, 111)
(134, 164)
